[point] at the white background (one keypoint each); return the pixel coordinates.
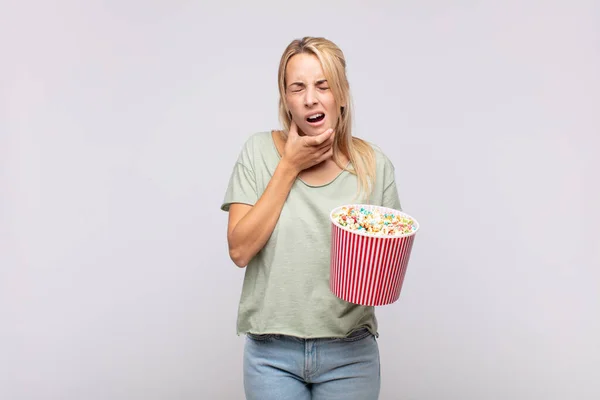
(120, 122)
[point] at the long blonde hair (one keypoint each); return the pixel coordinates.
(358, 151)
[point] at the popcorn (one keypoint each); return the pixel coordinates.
(370, 251)
(374, 222)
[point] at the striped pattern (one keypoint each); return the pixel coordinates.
(368, 270)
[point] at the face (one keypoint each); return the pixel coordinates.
(308, 96)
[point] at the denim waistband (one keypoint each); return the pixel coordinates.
(355, 335)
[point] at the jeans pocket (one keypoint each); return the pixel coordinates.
(357, 335)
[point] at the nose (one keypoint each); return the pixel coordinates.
(310, 98)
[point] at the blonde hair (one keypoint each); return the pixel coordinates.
(358, 151)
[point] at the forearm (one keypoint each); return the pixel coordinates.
(253, 231)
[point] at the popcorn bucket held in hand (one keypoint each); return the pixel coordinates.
(367, 268)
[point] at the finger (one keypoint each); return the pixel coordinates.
(320, 138)
(325, 156)
(321, 152)
(323, 137)
(325, 146)
(328, 143)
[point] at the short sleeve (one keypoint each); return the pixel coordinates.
(390, 199)
(242, 183)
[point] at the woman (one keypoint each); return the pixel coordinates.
(302, 341)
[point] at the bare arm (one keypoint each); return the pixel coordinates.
(250, 227)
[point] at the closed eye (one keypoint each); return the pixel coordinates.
(322, 84)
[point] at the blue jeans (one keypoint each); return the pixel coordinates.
(278, 367)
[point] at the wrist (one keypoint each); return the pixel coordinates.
(288, 168)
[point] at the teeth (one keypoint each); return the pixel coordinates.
(315, 116)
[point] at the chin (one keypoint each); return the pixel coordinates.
(314, 130)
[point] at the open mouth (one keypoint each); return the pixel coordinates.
(315, 118)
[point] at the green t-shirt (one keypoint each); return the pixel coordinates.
(286, 285)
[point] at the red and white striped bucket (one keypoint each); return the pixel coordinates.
(367, 269)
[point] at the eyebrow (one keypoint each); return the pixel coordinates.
(319, 82)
